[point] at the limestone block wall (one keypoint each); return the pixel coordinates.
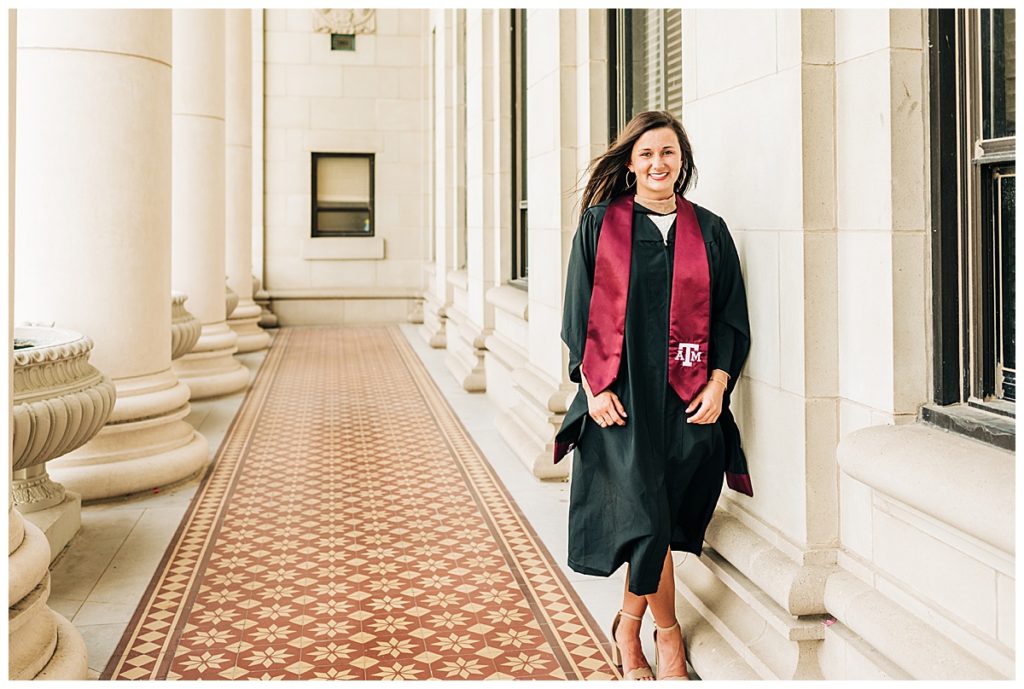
(371, 100)
(809, 135)
(566, 123)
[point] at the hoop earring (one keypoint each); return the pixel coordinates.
(679, 185)
(628, 185)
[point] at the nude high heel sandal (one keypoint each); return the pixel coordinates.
(642, 672)
(656, 663)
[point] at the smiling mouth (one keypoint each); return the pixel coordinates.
(658, 176)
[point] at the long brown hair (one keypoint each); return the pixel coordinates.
(608, 170)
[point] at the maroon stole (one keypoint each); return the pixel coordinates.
(689, 306)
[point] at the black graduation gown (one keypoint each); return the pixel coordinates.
(653, 483)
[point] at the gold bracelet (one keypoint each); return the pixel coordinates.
(720, 382)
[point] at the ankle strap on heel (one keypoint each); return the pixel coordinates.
(665, 629)
(631, 616)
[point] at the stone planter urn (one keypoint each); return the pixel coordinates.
(60, 402)
(185, 328)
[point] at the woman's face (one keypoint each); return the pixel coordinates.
(656, 161)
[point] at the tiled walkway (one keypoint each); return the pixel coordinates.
(351, 529)
(100, 578)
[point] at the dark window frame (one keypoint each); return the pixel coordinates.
(520, 268)
(620, 67)
(315, 230)
(965, 294)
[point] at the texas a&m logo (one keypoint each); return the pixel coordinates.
(688, 353)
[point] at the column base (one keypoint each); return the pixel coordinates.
(766, 641)
(146, 444)
(527, 421)
(244, 321)
(209, 369)
(41, 644)
(465, 359)
(435, 320)
(70, 660)
(59, 523)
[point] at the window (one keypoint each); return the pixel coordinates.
(520, 225)
(973, 132)
(342, 195)
(646, 63)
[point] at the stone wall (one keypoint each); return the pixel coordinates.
(371, 100)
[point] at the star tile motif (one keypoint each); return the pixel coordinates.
(349, 528)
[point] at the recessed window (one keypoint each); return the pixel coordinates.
(520, 228)
(646, 63)
(974, 161)
(342, 195)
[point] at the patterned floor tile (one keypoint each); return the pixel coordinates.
(351, 529)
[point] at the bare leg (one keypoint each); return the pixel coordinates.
(627, 636)
(671, 654)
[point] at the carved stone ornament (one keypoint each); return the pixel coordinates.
(60, 400)
(345, 21)
(185, 328)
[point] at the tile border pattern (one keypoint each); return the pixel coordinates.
(146, 649)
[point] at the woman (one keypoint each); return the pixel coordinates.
(655, 320)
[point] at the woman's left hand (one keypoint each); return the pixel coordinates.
(710, 401)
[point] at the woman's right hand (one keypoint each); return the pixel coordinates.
(606, 409)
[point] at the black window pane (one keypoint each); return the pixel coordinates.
(1007, 303)
(998, 73)
(343, 221)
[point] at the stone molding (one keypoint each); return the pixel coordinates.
(912, 463)
(244, 321)
(770, 643)
(261, 298)
(36, 493)
(911, 643)
(510, 299)
(798, 589)
(185, 328)
(41, 643)
(210, 369)
(345, 21)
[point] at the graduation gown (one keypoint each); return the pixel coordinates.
(653, 483)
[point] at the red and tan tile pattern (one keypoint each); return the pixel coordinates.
(351, 529)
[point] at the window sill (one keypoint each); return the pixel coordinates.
(988, 427)
(509, 300)
(343, 249)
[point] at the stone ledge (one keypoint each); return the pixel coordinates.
(905, 639)
(988, 427)
(795, 588)
(458, 278)
(346, 293)
(510, 300)
(913, 463)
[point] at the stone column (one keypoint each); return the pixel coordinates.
(93, 240)
(445, 133)
(238, 178)
(40, 643)
(197, 264)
